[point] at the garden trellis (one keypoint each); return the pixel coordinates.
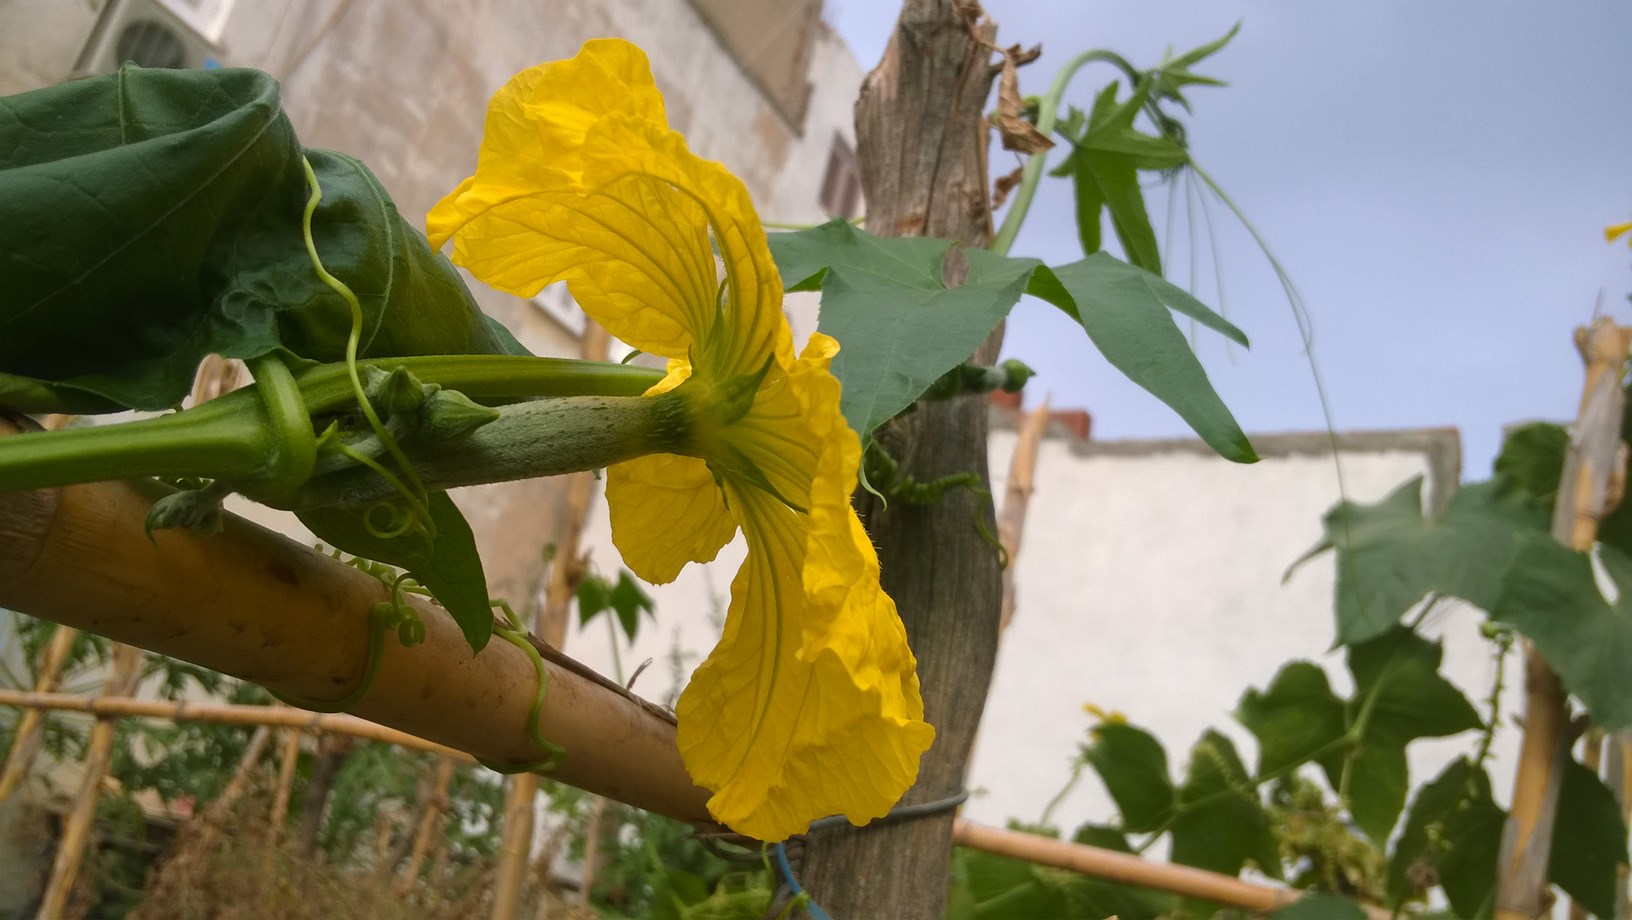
(379, 386)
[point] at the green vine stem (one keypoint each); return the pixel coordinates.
(1047, 114)
(291, 425)
(234, 437)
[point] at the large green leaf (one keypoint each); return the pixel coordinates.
(155, 216)
(448, 565)
(1458, 798)
(1222, 824)
(1359, 743)
(1294, 718)
(1389, 557)
(1589, 840)
(1551, 597)
(1107, 153)
(1125, 311)
(899, 324)
(1133, 766)
(1401, 696)
(900, 327)
(1533, 458)
(1320, 907)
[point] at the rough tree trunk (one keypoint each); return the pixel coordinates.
(921, 141)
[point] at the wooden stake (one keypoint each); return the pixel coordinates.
(516, 844)
(921, 143)
(76, 827)
(258, 606)
(1590, 468)
(25, 741)
(288, 760)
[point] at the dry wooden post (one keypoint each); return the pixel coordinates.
(76, 827)
(921, 146)
(1618, 776)
(25, 741)
(516, 844)
(1584, 490)
(428, 823)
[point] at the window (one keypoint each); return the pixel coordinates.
(841, 187)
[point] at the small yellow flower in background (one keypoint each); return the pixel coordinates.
(809, 705)
(1113, 717)
(1614, 231)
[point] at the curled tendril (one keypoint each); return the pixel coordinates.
(511, 630)
(413, 489)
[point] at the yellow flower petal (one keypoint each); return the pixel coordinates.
(782, 739)
(1614, 231)
(666, 511)
(814, 661)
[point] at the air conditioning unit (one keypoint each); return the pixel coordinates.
(149, 33)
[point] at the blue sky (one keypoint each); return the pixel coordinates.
(1434, 176)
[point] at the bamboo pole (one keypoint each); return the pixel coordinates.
(1016, 499)
(288, 760)
(1130, 869)
(256, 605)
(1584, 493)
(550, 623)
(1618, 776)
(228, 714)
(76, 827)
(428, 823)
(25, 741)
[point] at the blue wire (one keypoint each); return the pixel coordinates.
(793, 884)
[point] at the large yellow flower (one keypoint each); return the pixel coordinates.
(809, 705)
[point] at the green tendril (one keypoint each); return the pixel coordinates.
(414, 490)
(384, 617)
(516, 634)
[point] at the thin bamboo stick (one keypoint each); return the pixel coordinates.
(516, 844)
(25, 741)
(288, 760)
(227, 714)
(1129, 869)
(256, 605)
(76, 827)
(1017, 498)
(1585, 490)
(428, 823)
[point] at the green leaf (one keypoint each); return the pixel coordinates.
(1389, 557)
(1417, 851)
(448, 565)
(1172, 75)
(1320, 907)
(1471, 849)
(628, 601)
(1551, 597)
(1133, 766)
(594, 596)
(1533, 458)
(1401, 696)
(1222, 825)
(1124, 310)
(886, 300)
(155, 217)
(1104, 166)
(1589, 841)
(1296, 717)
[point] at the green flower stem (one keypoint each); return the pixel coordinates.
(216, 441)
(545, 437)
(291, 424)
(235, 437)
(1047, 114)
